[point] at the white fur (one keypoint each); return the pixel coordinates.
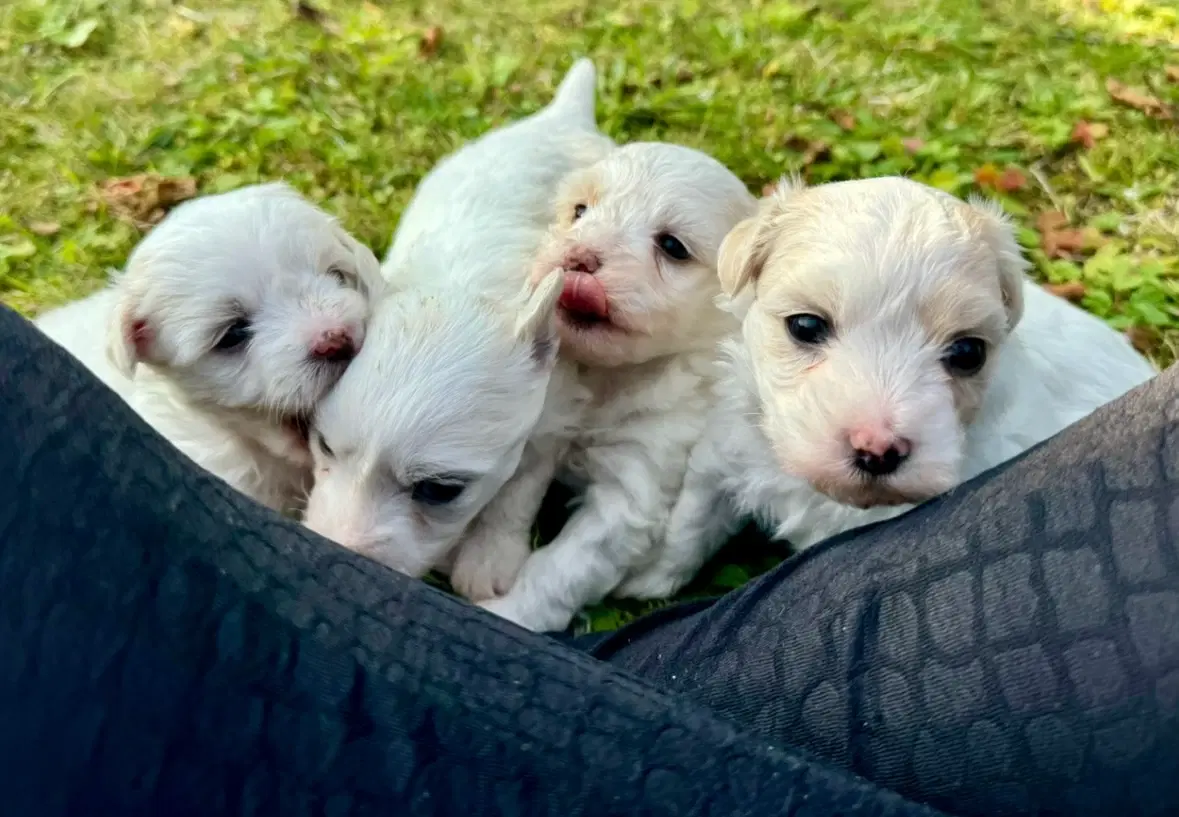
(262, 254)
(892, 258)
(649, 368)
(457, 383)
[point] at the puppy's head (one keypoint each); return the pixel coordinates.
(252, 302)
(429, 421)
(637, 236)
(878, 311)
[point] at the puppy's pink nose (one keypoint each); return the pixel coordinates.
(580, 259)
(878, 452)
(877, 440)
(335, 346)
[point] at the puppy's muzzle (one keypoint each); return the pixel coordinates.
(334, 346)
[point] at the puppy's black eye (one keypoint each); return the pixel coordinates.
(238, 333)
(808, 329)
(965, 356)
(435, 492)
(579, 211)
(323, 446)
(339, 274)
(672, 247)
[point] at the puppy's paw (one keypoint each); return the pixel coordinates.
(505, 607)
(487, 565)
(654, 582)
(531, 614)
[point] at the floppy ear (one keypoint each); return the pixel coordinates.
(368, 269)
(741, 256)
(745, 250)
(537, 322)
(993, 226)
(130, 336)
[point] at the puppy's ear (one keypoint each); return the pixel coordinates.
(130, 336)
(741, 256)
(537, 322)
(992, 225)
(745, 250)
(368, 269)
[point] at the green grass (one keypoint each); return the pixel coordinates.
(347, 108)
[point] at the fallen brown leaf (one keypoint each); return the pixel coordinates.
(1139, 100)
(145, 199)
(842, 118)
(1051, 220)
(1173, 73)
(1004, 181)
(912, 145)
(986, 176)
(44, 228)
(430, 42)
(684, 74)
(1142, 338)
(1087, 134)
(1010, 180)
(1071, 291)
(1058, 241)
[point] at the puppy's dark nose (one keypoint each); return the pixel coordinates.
(582, 260)
(334, 346)
(882, 464)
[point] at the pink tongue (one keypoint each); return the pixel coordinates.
(584, 294)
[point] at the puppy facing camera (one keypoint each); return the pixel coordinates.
(891, 347)
(881, 308)
(231, 319)
(636, 235)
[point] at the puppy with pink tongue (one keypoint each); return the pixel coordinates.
(637, 237)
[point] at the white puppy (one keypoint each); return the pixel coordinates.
(637, 238)
(456, 384)
(232, 318)
(891, 348)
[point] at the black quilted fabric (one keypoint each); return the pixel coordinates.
(1012, 649)
(169, 648)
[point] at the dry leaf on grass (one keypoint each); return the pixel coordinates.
(1056, 238)
(44, 228)
(1142, 338)
(1173, 73)
(1071, 291)
(1139, 100)
(1005, 181)
(145, 199)
(842, 118)
(1087, 134)
(430, 42)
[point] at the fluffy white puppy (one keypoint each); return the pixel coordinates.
(457, 383)
(891, 348)
(231, 320)
(637, 238)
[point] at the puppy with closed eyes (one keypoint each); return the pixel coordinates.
(459, 390)
(891, 347)
(636, 238)
(231, 320)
